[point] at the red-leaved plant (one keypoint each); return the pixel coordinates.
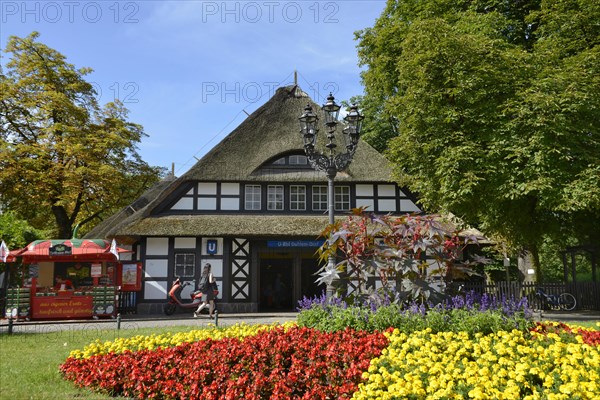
(415, 252)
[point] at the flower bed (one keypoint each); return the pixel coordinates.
(278, 363)
(550, 361)
(152, 342)
(502, 365)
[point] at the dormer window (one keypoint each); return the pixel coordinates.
(290, 161)
(298, 160)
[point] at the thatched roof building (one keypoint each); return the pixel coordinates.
(253, 207)
(271, 131)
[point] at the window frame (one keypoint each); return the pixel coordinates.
(317, 190)
(297, 159)
(279, 203)
(295, 203)
(344, 192)
(255, 199)
(185, 265)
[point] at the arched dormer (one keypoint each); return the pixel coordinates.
(294, 161)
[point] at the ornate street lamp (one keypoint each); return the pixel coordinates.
(331, 161)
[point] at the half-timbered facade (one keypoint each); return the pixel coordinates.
(253, 208)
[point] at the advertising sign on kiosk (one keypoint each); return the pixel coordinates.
(74, 278)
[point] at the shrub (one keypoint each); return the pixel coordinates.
(472, 313)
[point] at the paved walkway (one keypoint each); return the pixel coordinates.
(569, 316)
(136, 321)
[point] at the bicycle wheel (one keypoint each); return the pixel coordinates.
(567, 301)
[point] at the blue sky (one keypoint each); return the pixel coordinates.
(187, 70)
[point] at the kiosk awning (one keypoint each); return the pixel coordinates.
(69, 250)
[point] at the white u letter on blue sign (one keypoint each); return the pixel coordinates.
(211, 246)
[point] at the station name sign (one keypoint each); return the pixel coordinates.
(294, 243)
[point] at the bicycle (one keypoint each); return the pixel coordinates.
(563, 301)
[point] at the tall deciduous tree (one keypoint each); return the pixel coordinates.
(64, 160)
(495, 107)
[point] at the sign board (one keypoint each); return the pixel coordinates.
(212, 246)
(131, 277)
(96, 270)
(60, 250)
(56, 307)
(295, 243)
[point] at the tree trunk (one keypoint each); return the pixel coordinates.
(62, 222)
(529, 259)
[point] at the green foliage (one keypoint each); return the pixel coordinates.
(393, 316)
(64, 160)
(495, 107)
(16, 232)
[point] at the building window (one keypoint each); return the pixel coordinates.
(252, 197)
(298, 160)
(275, 197)
(342, 198)
(319, 198)
(297, 198)
(185, 265)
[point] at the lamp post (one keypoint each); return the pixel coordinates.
(331, 161)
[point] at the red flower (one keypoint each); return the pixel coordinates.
(298, 364)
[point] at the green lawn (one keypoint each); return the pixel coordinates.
(29, 361)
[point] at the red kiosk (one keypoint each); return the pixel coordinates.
(73, 278)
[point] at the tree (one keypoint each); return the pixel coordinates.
(63, 158)
(15, 232)
(496, 107)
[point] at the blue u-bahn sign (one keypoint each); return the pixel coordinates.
(294, 243)
(212, 246)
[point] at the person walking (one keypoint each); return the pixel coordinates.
(207, 281)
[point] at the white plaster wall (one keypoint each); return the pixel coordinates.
(157, 246)
(216, 266)
(207, 188)
(230, 203)
(408, 206)
(156, 268)
(364, 190)
(386, 204)
(205, 203)
(369, 203)
(386, 190)
(185, 243)
(185, 203)
(230, 188)
(155, 290)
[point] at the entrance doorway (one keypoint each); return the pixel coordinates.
(276, 284)
(285, 278)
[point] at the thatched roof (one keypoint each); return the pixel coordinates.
(110, 227)
(228, 225)
(271, 131)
